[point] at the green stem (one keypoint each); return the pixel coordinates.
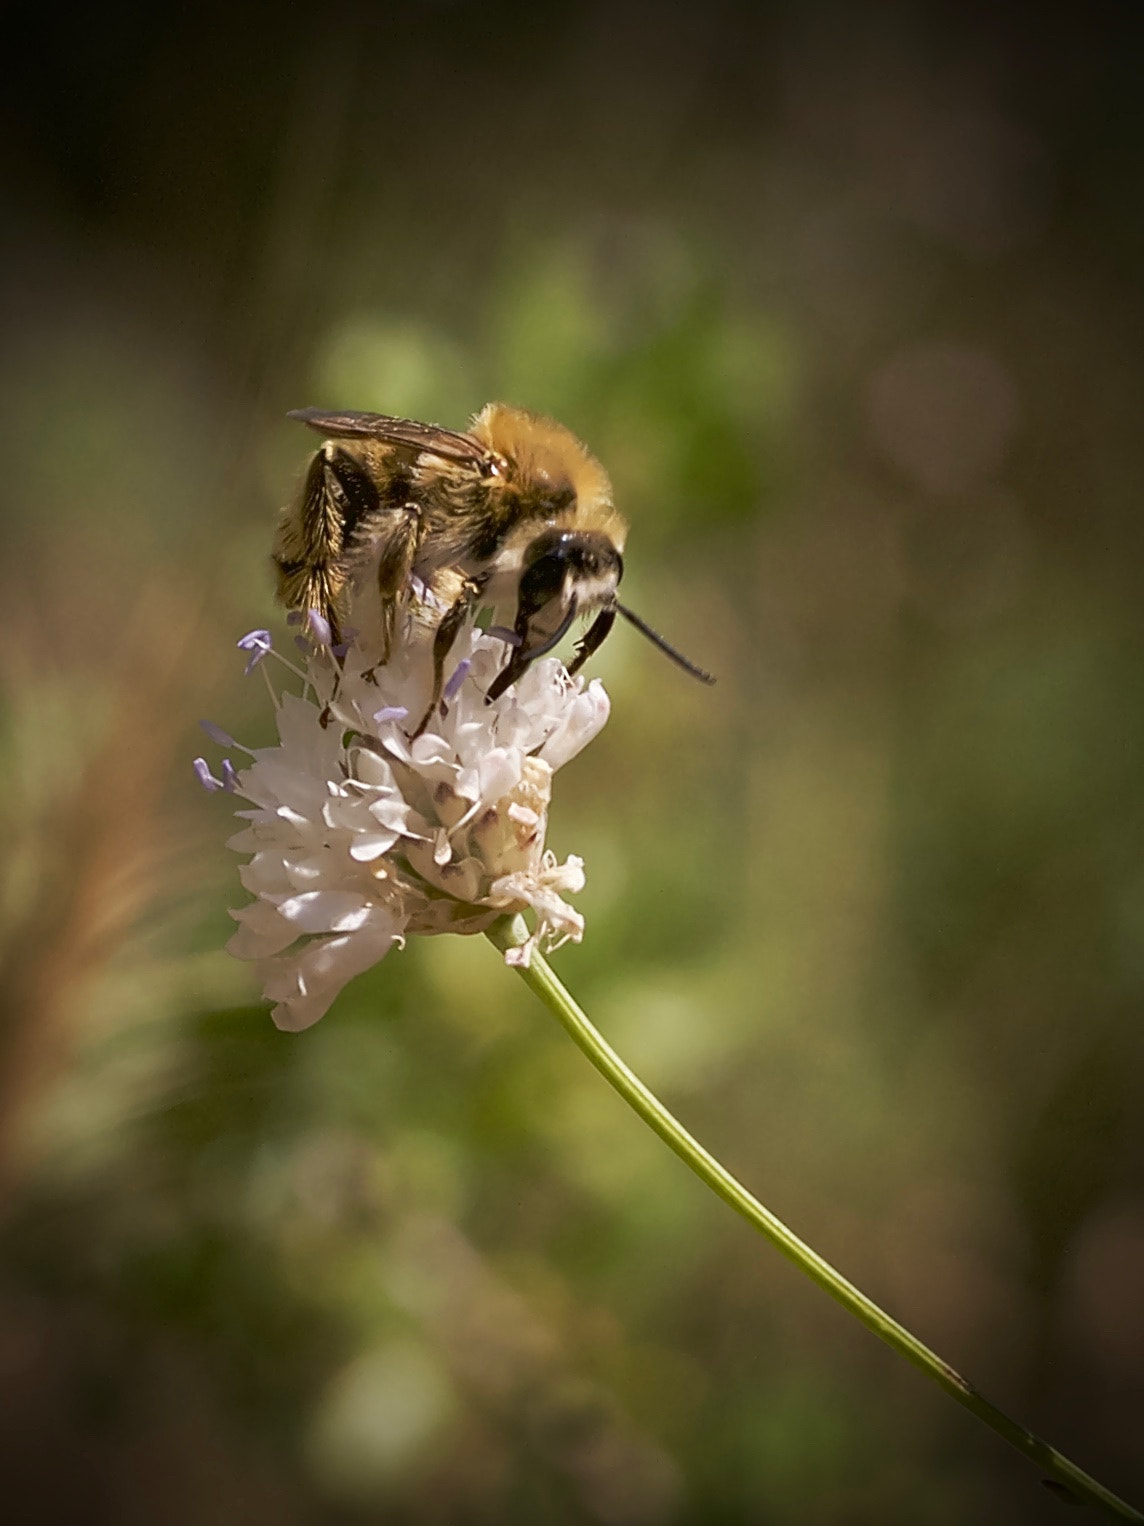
(1065, 1478)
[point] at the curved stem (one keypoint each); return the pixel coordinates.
(1065, 1478)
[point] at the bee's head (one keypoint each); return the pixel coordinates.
(565, 573)
(569, 566)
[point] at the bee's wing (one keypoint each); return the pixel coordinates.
(405, 434)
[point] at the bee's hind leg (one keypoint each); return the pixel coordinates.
(307, 550)
(443, 639)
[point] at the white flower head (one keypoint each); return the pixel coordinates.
(359, 836)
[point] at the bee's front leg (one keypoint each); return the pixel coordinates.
(524, 655)
(592, 639)
(446, 634)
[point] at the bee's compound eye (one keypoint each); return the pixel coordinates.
(543, 579)
(554, 546)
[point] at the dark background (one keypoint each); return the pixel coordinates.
(848, 299)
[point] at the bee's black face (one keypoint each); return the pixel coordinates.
(569, 562)
(564, 573)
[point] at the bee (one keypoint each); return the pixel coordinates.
(514, 513)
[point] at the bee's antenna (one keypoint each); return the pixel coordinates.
(665, 647)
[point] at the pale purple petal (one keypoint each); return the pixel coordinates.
(460, 673)
(205, 777)
(257, 643)
(217, 734)
(319, 627)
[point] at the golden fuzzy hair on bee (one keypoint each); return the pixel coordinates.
(515, 514)
(540, 451)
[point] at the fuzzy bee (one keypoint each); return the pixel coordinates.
(512, 513)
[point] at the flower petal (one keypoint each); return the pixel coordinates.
(579, 723)
(326, 911)
(367, 846)
(261, 932)
(305, 986)
(499, 772)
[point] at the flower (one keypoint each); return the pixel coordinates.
(359, 836)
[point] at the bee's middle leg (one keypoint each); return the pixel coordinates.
(443, 639)
(398, 553)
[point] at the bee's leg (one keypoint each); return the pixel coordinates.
(310, 545)
(398, 552)
(592, 639)
(358, 500)
(517, 661)
(355, 488)
(524, 655)
(443, 640)
(307, 545)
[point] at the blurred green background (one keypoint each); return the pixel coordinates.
(849, 301)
